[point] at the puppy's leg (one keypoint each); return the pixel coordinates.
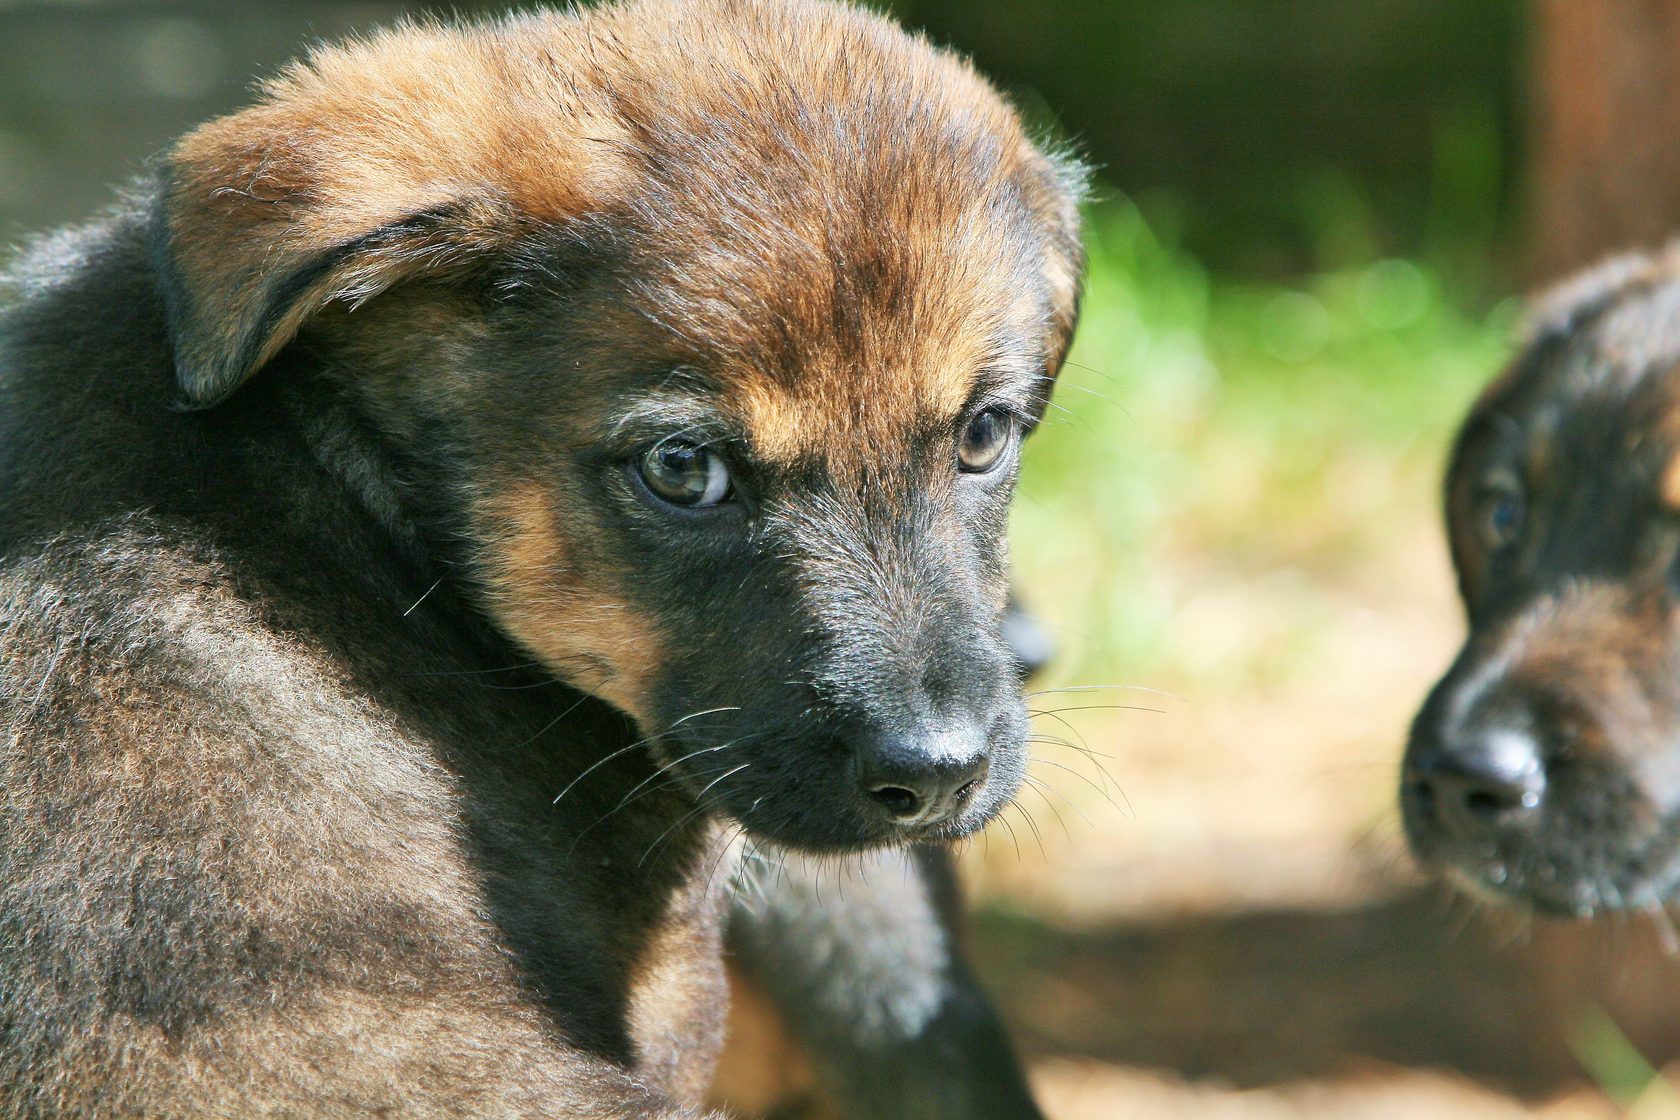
(864, 965)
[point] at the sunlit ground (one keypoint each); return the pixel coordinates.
(1230, 522)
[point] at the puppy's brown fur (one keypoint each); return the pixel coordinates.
(363, 715)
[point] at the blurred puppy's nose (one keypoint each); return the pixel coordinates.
(1027, 638)
(1490, 782)
(919, 778)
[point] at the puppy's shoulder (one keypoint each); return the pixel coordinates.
(137, 636)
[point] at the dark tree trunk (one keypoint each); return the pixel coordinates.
(1606, 119)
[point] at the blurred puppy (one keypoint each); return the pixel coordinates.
(1545, 766)
(457, 495)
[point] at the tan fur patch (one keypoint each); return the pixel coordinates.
(762, 1067)
(850, 415)
(674, 988)
(580, 629)
(1668, 487)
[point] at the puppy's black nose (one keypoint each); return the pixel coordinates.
(1492, 782)
(922, 778)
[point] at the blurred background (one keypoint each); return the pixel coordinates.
(1311, 221)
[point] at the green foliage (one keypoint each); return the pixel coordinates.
(1278, 129)
(1616, 1065)
(1279, 433)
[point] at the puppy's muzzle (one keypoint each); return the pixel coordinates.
(1545, 765)
(919, 778)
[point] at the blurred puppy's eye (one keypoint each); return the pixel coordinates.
(984, 441)
(685, 475)
(1500, 515)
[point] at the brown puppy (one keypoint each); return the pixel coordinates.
(1545, 766)
(457, 495)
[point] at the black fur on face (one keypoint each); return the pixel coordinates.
(1545, 766)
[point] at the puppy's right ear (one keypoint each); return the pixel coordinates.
(418, 152)
(255, 233)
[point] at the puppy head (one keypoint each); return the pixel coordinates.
(1545, 766)
(718, 325)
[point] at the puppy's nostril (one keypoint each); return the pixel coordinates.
(1483, 787)
(897, 800)
(1484, 804)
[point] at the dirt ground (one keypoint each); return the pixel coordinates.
(1229, 927)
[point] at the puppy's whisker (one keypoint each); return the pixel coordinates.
(1100, 789)
(477, 672)
(1075, 688)
(553, 723)
(1038, 837)
(1091, 370)
(645, 792)
(699, 808)
(492, 687)
(1058, 741)
(1095, 708)
(423, 597)
(1061, 821)
(1095, 759)
(748, 877)
(598, 763)
(1044, 787)
(642, 742)
(672, 765)
(697, 715)
(724, 847)
(1013, 839)
(1103, 397)
(1074, 731)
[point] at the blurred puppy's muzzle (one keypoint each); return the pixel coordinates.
(1481, 787)
(1546, 771)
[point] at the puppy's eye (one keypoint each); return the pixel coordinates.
(987, 436)
(685, 475)
(1500, 515)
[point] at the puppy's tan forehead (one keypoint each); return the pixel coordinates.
(857, 347)
(868, 408)
(1661, 433)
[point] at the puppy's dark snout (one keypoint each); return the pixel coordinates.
(1479, 785)
(919, 778)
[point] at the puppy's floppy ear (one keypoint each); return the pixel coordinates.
(420, 151)
(253, 236)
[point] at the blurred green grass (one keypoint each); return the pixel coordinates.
(1617, 1067)
(1283, 434)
